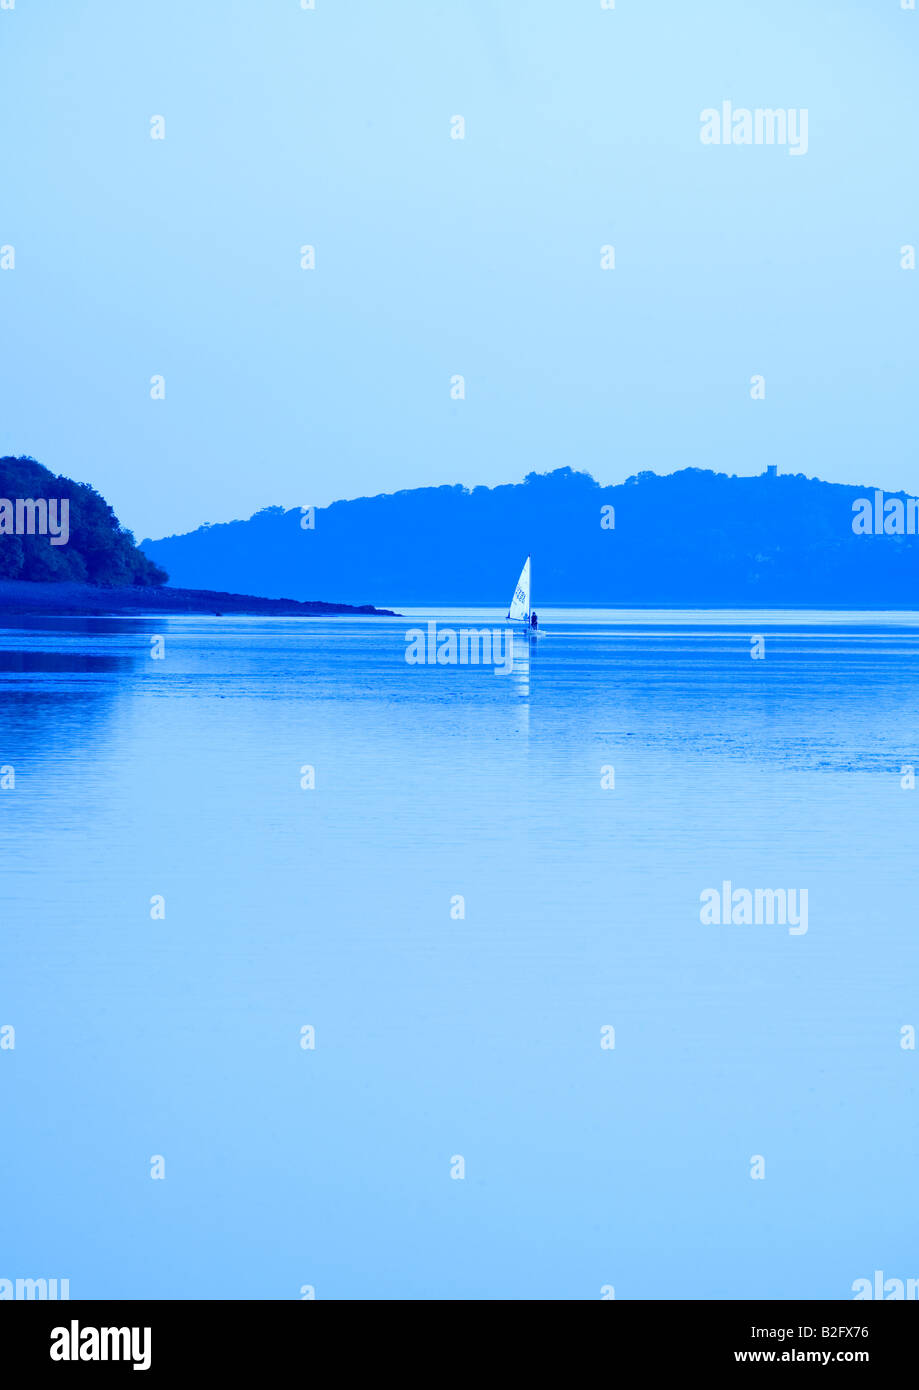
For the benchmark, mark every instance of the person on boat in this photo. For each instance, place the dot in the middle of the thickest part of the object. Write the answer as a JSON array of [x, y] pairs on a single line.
[[534, 621]]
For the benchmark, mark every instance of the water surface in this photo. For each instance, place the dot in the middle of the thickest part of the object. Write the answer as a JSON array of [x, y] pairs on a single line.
[[439, 1036]]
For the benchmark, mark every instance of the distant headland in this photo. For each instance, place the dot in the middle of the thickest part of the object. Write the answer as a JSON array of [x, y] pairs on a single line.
[[64, 551], [53, 530], [692, 539]]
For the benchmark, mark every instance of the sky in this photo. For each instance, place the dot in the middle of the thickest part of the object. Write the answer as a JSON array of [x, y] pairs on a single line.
[[437, 257]]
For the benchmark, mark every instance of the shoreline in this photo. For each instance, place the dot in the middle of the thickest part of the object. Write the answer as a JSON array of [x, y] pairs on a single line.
[[19, 597]]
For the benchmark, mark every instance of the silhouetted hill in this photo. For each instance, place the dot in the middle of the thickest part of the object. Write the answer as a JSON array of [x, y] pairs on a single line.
[[86, 542], [691, 538]]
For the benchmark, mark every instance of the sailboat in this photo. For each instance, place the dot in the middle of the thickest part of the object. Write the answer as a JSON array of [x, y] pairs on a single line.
[[519, 611]]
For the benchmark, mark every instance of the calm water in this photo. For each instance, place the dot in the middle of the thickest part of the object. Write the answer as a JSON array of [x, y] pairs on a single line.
[[439, 1037]]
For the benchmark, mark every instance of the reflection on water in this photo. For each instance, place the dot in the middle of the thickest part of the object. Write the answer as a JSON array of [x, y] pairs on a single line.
[[524, 650], [441, 1034]]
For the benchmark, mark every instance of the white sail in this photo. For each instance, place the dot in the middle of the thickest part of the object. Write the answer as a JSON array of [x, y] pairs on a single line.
[[519, 610]]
